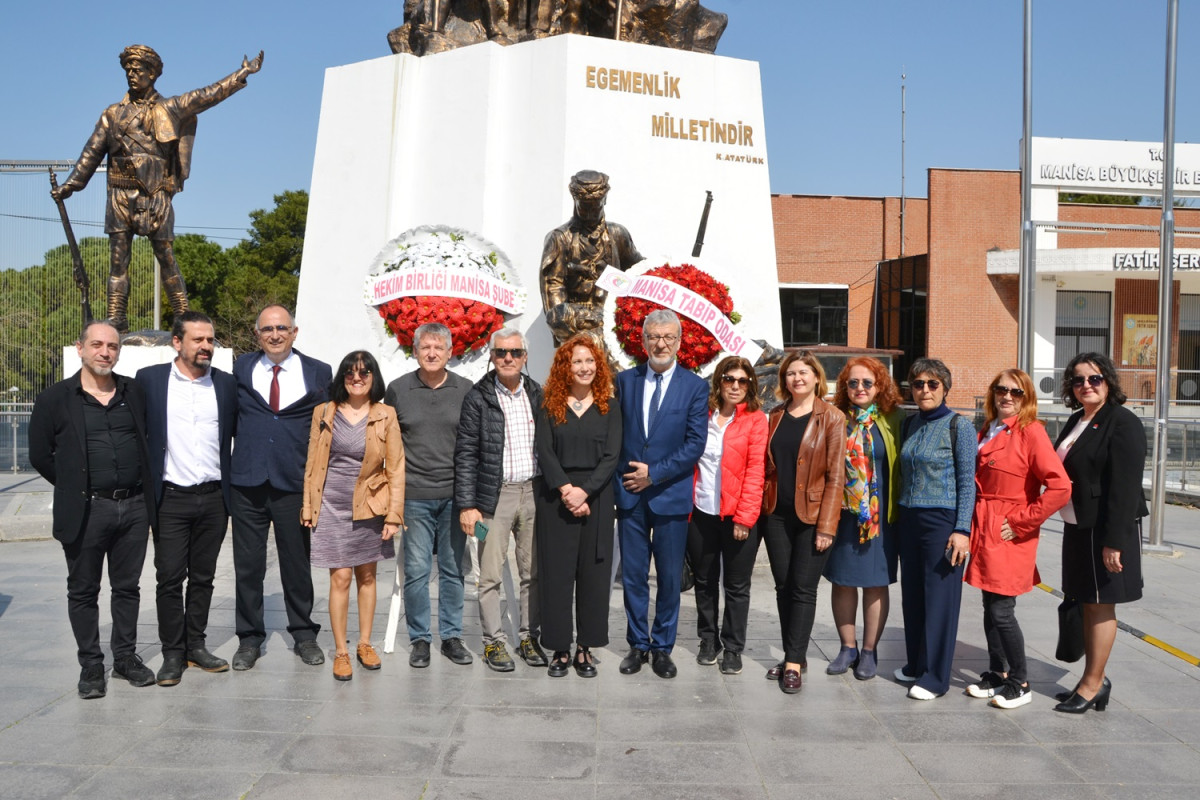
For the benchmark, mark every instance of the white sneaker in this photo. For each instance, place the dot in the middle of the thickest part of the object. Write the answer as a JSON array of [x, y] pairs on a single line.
[[903, 677], [920, 693], [1012, 695]]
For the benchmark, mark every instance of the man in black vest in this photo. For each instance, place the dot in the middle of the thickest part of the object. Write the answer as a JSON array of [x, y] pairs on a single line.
[[87, 436]]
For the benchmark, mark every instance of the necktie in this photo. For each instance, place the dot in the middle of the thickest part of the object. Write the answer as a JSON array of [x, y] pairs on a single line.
[[655, 399], [274, 398]]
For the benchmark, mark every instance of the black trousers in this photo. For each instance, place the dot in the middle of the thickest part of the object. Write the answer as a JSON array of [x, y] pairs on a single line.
[[191, 528], [256, 509], [1006, 642], [117, 530], [713, 550], [796, 565]]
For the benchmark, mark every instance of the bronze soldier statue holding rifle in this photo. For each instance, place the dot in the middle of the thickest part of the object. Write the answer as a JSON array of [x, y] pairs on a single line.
[[148, 140]]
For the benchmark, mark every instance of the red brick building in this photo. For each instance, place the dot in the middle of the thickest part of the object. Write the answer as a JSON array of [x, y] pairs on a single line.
[[952, 293]]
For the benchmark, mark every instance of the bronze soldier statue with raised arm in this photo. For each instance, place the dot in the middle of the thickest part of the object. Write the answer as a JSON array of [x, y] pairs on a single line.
[[148, 141], [576, 253]]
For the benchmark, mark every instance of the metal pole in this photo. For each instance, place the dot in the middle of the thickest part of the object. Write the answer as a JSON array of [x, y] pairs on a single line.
[[1166, 272], [902, 196], [1026, 279], [157, 295], [617, 24]]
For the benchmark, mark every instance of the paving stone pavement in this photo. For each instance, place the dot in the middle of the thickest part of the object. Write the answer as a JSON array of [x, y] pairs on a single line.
[[286, 730]]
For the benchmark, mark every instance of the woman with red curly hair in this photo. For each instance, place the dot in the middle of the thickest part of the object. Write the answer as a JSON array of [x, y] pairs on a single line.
[[864, 553], [578, 443]]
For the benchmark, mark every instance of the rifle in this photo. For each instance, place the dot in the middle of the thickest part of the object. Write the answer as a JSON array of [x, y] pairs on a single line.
[[703, 226], [81, 276]]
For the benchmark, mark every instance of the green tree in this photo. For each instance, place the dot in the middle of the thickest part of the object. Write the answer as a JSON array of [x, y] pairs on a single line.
[[1100, 199]]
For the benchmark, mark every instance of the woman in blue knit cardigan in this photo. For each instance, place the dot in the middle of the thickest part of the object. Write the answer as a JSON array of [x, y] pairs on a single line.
[[937, 498]]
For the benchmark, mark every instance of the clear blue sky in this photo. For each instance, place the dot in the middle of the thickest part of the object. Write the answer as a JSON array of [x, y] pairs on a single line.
[[830, 72]]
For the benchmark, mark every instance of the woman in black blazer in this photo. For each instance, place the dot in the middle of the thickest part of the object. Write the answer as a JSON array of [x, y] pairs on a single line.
[[1103, 447]]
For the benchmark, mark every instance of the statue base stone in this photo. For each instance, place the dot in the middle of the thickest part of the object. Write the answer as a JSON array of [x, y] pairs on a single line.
[[486, 138]]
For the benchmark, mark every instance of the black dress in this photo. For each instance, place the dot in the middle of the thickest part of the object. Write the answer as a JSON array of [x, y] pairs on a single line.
[[575, 553]]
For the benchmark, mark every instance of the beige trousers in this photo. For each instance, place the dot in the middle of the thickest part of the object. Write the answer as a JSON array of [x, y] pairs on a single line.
[[513, 519]]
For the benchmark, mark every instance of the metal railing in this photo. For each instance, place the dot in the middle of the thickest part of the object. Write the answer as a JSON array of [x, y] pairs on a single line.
[[14, 437]]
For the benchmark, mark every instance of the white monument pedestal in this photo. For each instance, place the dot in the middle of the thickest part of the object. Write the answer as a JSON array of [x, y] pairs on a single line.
[[487, 137], [134, 357]]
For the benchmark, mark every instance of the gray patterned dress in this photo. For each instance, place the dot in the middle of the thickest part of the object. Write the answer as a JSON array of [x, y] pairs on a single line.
[[338, 540]]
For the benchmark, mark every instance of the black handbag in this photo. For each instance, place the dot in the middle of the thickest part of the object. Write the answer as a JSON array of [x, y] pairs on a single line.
[[1070, 631]]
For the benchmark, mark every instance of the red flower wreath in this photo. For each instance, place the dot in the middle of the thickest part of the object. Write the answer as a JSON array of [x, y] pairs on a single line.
[[471, 323], [698, 346]]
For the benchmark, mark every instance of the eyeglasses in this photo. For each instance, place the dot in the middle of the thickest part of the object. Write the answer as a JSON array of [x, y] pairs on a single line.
[[1092, 380], [933, 385], [265, 329], [363, 373], [501, 353], [730, 380], [865, 383], [1004, 391], [665, 338]]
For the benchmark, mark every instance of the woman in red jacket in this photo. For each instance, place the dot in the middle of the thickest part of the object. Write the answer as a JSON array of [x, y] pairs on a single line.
[[728, 497], [1016, 460]]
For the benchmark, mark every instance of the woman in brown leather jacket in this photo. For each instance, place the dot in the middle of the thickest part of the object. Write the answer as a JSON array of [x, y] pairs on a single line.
[[806, 451], [353, 497]]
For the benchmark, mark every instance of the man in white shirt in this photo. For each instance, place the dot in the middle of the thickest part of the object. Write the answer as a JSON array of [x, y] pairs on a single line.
[[278, 388], [191, 410]]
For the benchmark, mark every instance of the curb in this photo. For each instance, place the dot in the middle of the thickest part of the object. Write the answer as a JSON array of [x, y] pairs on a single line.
[[26, 528]]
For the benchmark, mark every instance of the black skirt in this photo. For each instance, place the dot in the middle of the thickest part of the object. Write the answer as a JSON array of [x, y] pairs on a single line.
[[1084, 575]]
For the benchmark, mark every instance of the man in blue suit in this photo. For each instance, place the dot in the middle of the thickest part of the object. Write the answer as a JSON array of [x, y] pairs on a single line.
[[278, 388], [191, 410], [666, 414]]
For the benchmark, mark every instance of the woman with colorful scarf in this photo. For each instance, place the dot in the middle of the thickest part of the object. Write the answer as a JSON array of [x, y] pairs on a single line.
[[864, 552]]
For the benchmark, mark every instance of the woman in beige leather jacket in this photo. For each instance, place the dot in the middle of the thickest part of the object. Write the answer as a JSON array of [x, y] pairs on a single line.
[[806, 451], [353, 497]]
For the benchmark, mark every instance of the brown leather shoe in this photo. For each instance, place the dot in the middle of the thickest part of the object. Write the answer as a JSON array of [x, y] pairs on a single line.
[[342, 671], [789, 682], [368, 657]]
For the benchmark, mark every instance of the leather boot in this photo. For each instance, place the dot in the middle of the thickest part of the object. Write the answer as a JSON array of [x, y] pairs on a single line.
[[176, 293], [118, 302]]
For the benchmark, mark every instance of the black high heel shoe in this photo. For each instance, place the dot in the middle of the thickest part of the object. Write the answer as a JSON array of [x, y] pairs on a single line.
[[1075, 704], [584, 667], [559, 664]]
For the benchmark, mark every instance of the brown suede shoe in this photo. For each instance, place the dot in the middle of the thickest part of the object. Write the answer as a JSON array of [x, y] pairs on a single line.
[[342, 671], [368, 657]]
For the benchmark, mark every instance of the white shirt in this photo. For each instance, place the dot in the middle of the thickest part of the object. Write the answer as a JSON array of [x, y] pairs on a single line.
[[649, 391], [291, 379], [1067, 512], [708, 487], [993, 430], [193, 433]]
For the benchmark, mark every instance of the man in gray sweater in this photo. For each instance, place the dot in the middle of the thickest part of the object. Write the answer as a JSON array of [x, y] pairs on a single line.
[[427, 403]]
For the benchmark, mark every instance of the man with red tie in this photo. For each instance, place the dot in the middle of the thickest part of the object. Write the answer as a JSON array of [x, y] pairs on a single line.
[[278, 388]]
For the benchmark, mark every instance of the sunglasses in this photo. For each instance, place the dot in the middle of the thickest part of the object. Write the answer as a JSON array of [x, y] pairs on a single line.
[[730, 380], [265, 329], [1004, 391], [1092, 380], [933, 385], [501, 353], [865, 383], [363, 373]]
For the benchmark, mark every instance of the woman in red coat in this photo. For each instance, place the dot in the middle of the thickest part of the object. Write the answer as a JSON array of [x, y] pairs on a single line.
[[728, 498], [1016, 459]]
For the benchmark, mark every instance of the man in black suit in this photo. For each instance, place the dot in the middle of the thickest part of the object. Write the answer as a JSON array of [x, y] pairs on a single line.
[[191, 413], [278, 388], [87, 436]]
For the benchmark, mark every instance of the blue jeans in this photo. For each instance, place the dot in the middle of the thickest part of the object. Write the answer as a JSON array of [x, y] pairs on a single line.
[[426, 522]]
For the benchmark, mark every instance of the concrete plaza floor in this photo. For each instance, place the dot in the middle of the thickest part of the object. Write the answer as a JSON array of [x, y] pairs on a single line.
[[286, 730]]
